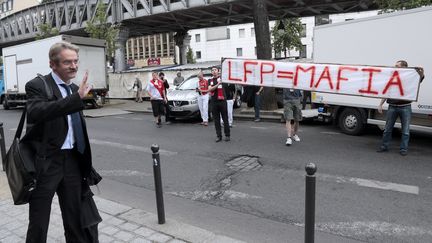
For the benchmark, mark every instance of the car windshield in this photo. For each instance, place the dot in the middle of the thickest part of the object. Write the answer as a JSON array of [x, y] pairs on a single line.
[[191, 83]]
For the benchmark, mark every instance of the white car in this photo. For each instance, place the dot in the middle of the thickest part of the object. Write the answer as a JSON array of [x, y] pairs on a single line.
[[183, 100]]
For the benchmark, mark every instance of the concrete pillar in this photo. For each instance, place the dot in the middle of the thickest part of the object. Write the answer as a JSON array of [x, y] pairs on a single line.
[[182, 40], [120, 52]]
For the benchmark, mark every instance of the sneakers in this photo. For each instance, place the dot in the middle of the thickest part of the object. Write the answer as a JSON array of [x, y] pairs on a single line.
[[227, 139], [218, 139], [288, 142], [296, 138], [403, 152], [257, 120], [382, 149]]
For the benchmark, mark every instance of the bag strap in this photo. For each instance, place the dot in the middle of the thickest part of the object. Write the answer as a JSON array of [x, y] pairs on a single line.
[[21, 123]]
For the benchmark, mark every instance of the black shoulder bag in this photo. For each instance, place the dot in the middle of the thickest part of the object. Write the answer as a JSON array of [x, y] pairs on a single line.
[[20, 161]]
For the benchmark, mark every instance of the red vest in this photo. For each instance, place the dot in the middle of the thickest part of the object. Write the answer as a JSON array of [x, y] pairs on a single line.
[[159, 85], [203, 85]]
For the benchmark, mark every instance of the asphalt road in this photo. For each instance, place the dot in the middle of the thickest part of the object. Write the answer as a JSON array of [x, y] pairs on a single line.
[[361, 195]]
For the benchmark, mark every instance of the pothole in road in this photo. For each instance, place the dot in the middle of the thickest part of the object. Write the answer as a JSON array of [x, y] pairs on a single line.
[[244, 163]]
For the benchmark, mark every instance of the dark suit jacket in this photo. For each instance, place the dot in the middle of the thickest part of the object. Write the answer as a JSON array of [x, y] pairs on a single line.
[[49, 118]]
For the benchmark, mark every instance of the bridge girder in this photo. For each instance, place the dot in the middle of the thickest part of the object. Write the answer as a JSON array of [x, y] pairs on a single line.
[[143, 17]]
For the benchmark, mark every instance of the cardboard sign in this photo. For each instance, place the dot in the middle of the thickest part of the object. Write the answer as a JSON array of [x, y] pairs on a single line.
[[370, 81]]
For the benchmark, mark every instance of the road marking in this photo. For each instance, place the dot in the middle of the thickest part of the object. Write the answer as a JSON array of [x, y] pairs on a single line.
[[372, 183], [262, 128], [130, 147], [370, 228], [209, 195], [331, 133], [123, 173]]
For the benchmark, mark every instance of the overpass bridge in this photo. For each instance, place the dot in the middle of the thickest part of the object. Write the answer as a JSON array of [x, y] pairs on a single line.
[[144, 17]]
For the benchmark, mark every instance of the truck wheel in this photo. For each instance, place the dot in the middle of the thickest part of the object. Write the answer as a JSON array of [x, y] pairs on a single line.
[[6, 104], [351, 121]]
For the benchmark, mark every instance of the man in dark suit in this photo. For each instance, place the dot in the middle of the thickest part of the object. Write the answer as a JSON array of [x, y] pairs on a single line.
[[66, 163]]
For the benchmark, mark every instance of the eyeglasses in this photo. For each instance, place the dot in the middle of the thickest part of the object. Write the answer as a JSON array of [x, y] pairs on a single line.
[[69, 62]]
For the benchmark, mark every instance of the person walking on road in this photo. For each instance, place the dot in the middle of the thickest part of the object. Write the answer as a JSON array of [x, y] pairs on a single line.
[[203, 98], [292, 113], [219, 105], [138, 86], [65, 167], [401, 109], [166, 87], [178, 80], [156, 91]]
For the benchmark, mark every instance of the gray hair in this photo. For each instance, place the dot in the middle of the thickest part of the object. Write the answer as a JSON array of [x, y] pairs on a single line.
[[59, 47]]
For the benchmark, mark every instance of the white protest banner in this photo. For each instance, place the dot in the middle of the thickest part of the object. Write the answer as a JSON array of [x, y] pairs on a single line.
[[370, 81]]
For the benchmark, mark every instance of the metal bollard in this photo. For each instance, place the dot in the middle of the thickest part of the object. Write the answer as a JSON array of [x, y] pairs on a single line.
[[310, 203], [158, 184], [2, 145]]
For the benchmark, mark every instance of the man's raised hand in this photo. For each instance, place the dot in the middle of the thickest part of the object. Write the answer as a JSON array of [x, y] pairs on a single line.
[[84, 87]]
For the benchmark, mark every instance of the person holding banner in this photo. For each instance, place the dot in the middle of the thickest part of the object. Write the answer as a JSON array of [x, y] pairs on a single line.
[[218, 98], [292, 113], [401, 109], [156, 91]]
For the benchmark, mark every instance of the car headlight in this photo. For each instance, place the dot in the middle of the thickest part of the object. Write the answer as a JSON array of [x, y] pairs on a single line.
[[193, 102]]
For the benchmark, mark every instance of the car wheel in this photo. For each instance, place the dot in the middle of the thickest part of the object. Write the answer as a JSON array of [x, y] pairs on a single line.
[[351, 121], [6, 104]]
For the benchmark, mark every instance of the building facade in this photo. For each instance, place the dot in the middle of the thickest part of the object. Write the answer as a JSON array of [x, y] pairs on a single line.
[[8, 7], [238, 41], [151, 50]]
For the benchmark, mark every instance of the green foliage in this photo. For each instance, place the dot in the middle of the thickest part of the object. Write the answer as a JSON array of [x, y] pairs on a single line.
[[289, 38], [45, 31], [99, 28], [388, 6], [190, 56]]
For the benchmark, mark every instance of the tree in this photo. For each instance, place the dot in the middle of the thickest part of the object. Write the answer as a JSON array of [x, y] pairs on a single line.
[[289, 37], [190, 56], [45, 31], [263, 45], [388, 6], [99, 28]]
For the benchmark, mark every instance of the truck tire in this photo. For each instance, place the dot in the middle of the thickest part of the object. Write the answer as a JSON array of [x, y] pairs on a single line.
[[351, 121], [6, 104]]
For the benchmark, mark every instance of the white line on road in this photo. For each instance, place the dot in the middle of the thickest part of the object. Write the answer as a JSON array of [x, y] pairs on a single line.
[[371, 228], [262, 128], [123, 173], [331, 133], [372, 183], [130, 147], [208, 195]]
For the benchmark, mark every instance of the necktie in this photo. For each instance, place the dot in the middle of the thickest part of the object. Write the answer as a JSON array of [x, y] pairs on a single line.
[[76, 125]]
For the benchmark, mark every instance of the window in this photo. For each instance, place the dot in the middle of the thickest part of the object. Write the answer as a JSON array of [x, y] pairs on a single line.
[[303, 53], [303, 32], [198, 54], [252, 32], [239, 52], [241, 33], [197, 38], [9, 5], [217, 33], [322, 19]]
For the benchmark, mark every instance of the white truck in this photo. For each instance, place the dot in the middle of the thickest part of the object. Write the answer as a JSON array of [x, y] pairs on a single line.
[[23, 62], [380, 41]]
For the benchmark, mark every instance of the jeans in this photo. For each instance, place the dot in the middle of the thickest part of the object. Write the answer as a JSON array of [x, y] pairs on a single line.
[[404, 112], [257, 106]]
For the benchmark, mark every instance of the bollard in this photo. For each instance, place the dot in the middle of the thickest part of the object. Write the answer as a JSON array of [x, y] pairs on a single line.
[[310, 203], [158, 184], [2, 145]]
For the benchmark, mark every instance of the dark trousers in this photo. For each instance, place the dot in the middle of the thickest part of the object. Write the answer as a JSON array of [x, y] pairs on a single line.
[[167, 112], [219, 108], [63, 176]]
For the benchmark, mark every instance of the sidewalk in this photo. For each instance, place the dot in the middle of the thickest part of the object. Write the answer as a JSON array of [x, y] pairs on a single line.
[[125, 106], [120, 223]]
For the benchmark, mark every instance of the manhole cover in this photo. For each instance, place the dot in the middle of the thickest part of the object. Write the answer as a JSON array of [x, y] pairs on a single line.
[[244, 163]]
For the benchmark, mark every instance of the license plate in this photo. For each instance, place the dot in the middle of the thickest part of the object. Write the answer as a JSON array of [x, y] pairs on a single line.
[[176, 108]]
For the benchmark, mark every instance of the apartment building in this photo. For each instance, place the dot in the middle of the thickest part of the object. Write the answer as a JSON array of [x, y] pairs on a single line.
[[8, 7], [238, 41]]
